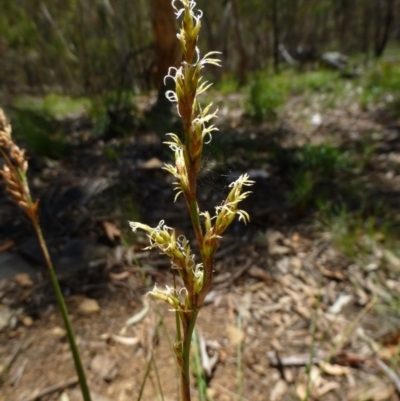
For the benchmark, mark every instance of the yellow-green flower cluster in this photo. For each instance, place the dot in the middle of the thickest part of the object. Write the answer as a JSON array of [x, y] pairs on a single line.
[[197, 130], [182, 259], [188, 85]]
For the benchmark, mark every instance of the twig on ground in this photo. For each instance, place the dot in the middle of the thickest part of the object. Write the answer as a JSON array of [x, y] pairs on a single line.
[[280, 366], [235, 276], [11, 359], [223, 389], [207, 363], [308, 261], [52, 389], [338, 346], [393, 376], [296, 360], [226, 251], [138, 316], [17, 376]]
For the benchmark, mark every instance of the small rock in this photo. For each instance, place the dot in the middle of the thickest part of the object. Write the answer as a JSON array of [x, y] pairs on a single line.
[[279, 390], [64, 397], [295, 263], [151, 164], [5, 315], [259, 369], [104, 366], [392, 259], [58, 332], [282, 265], [88, 307], [235, 335], [260, 274], [27, 321], [24, 280], [316, 120], [275, 239], [340, 302], [12, 263], [222, 356]]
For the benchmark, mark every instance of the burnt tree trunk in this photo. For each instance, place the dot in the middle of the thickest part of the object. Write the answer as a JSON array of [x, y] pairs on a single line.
[[242, 66], [383, 25], [275, 34], [166, 44]]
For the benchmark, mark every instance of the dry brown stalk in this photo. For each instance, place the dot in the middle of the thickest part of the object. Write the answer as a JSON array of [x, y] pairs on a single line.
[[14, 172]]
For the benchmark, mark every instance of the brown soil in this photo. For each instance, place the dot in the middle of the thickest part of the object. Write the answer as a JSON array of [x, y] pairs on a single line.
[[278, 293]]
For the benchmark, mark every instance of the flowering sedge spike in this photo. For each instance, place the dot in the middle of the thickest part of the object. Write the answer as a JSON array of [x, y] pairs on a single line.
[[198, 131]]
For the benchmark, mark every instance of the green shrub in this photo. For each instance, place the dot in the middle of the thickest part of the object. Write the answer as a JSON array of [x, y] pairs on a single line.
[[311, 172], [54, 105], [40, 132], [265, 98], [114, 114], [324, 159], [380, 83], [315, 81]]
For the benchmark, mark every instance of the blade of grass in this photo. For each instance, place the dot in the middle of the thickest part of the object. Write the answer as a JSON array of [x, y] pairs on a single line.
[[145, 377], [198, 369], [157, 377], [312, 351], [239, 359]]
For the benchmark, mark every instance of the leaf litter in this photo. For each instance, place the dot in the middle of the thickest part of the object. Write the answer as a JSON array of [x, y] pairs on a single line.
[[304, 307]]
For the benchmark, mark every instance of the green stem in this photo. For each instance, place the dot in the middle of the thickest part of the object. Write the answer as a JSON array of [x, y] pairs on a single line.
[[194, 215], [186, 356], [64, 313]]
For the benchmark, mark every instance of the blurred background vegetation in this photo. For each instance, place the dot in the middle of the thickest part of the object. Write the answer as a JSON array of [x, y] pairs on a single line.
[[106, 47], [80, 65]]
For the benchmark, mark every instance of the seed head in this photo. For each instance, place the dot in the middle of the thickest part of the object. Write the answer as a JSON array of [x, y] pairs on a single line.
[[14, 168]]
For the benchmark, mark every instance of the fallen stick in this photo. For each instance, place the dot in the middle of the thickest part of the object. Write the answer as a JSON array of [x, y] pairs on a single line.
[[231, 394], [234, 276], [208, 363], [52, 389], [11, 359], [19, 373], [296, 360], [390, 373]]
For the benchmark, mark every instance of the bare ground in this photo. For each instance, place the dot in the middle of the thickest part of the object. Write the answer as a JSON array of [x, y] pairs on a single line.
[[289, 317]]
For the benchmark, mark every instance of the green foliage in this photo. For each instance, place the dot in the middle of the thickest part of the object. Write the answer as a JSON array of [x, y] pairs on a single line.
[[40, 132], [312, 172], [227, 84], [114, 114], [385, 76], [265, 98], [54, 105], [349, 230], [268, 93], [16, 26], [382, 83], [324, 159], [316, 81], [37, 121], [303, 188], [365, 236]]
